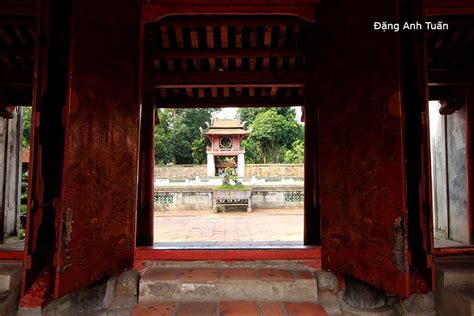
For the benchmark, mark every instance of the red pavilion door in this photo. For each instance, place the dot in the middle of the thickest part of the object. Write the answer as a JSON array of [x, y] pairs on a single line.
[[81, 227], [369, 148], [100, 172]]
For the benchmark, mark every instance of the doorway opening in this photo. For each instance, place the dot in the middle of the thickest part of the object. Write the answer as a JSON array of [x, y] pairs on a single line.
[[450, 55], [229, 178], [15, 131], [448, 132], [208, 66]]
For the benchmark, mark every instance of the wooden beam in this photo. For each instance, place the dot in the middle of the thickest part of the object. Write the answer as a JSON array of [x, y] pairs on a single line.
[[296, 3], [438, 77], [18, 8], [234, 85], [448, 7], [222, 20], [226, 53], [17, 21], [17, 78], [444, 53], [23, 52], [223, 78], [229, 102]]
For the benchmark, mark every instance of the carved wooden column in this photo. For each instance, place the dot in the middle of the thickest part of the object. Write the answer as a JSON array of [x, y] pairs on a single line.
[[312, 219], [147, 152], [470, 156]]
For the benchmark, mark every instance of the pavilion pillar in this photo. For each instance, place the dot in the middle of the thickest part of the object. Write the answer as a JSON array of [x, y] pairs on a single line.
[[211, 167], [241, 165], [146, 178], [10, 173]]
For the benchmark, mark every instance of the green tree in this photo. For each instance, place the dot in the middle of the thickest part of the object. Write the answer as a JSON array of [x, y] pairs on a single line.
[[248, 115], [198, 148], [296, 154], [178, 136], [26, 120], [271, 135]]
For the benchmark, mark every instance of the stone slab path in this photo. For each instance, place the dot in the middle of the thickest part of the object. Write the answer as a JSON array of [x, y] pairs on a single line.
[[205, 229]]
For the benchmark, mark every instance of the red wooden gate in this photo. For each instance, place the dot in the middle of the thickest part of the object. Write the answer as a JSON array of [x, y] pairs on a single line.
[[363, 182]]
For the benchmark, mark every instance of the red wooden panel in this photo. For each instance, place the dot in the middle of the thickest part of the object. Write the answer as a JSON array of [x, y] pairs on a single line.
[[362, 182], [99, 192]]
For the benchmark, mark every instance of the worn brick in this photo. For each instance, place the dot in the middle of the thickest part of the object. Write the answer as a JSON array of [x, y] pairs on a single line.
[[199, 275], [271, 309], [239, 274], [304, 309], [154, 309], [197, 309], [238, 308], [276, 275]]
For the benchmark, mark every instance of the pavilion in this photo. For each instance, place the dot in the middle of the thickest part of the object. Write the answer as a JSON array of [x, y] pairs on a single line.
[[225, 151]]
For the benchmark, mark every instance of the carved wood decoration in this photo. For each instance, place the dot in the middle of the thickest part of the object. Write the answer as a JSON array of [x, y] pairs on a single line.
[[362, 183], [99, 195], [17, 50]]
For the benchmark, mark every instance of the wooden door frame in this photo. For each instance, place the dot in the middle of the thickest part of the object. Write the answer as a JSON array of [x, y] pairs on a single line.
[[157, 10]]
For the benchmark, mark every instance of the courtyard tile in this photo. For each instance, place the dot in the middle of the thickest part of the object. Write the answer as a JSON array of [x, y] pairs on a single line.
[[204, 229]]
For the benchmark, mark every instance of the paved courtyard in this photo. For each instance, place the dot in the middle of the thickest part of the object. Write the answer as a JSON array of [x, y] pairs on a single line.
[[263, 228]]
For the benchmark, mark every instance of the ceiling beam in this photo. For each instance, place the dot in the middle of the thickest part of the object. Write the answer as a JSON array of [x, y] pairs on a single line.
[[226, 53], [23, 52], [444, 53], [229, 102], [238, 78], [296, 3], [440, 77], [17, 78], [448, 7], [17, 21], [234, 85], [18, 8], [229, 20]]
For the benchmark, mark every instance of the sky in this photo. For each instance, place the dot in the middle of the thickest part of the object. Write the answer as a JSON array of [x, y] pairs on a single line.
[[231, 113]]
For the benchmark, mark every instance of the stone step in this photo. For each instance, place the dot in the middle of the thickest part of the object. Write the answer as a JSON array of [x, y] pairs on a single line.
[[10, 276], [457, 300], [258, 264], [235, 284], [216, 308], [455, 286], [455, 271], [10, 283]]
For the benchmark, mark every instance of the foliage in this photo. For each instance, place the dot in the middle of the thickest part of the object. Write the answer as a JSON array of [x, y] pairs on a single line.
[[25, 140], [21, 234], [198, 148], [178, 138], [295, 155], [24, 188], [248, 115], [232, 187], [272, 134]]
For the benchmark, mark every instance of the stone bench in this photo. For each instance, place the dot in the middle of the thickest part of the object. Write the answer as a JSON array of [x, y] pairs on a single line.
[[231, 198]]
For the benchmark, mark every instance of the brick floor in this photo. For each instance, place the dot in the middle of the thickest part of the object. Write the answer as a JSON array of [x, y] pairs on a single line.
[[276, 275], [197, 309], [304, 309], [229, 308], [205, 229], [200, 275], [271, 308], [238, 308], [155, 309], [239, 274]]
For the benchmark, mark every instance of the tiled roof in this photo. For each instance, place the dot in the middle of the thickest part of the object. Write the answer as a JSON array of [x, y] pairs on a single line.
[[226, 131], [225, 123]]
